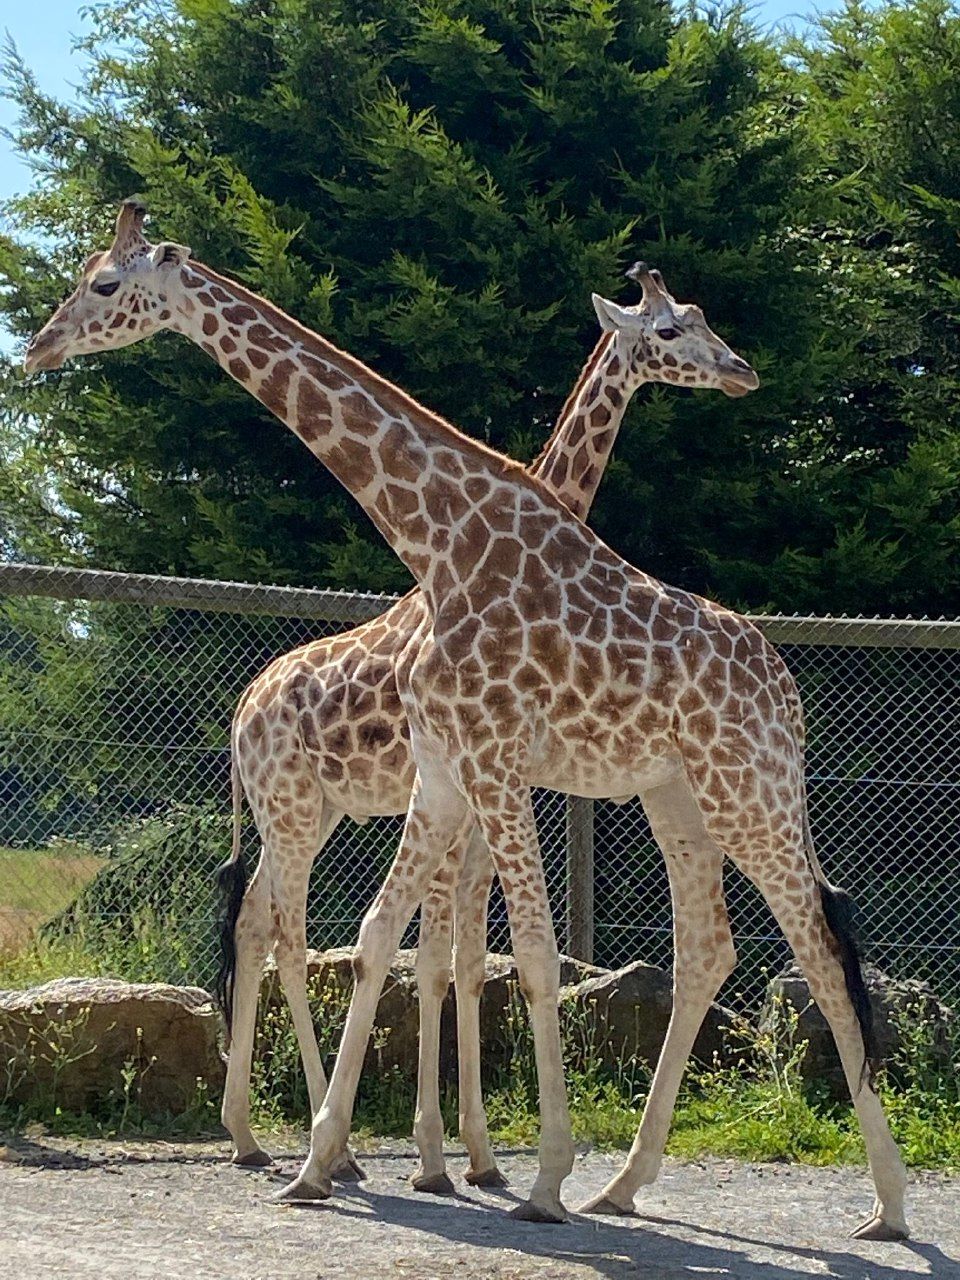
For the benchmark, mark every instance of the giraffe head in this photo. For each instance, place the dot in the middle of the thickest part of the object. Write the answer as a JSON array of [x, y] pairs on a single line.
[[663, 340], [124, 295]]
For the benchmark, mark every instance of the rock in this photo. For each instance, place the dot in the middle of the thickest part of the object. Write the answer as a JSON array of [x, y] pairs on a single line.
[[395, 1041], [895, 1002], [69, 1043], [631, 1009], [501, 985]]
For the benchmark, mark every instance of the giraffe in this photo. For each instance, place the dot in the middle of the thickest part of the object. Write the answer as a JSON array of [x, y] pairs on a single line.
[[543, 659], [357, 761]]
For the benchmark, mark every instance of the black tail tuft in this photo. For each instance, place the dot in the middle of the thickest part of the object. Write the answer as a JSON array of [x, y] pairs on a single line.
[[232, 882], [840, 913]]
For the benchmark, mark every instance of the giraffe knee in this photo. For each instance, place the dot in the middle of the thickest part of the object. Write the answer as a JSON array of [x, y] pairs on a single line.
[[289, 958], [470, 970], [433, 969], [726, 958], [538, 972], [374, 942]]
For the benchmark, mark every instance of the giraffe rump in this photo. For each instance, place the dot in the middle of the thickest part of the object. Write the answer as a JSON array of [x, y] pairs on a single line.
[[232, 883], [839, 911]]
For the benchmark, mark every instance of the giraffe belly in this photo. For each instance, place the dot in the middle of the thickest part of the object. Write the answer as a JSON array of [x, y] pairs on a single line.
[[367, 785], [611, 766]]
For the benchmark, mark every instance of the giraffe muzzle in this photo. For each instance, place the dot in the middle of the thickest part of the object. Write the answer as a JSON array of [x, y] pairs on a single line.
[[46, 351], [737, 378]]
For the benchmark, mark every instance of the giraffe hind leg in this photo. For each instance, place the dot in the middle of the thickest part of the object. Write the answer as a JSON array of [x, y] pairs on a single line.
[[826, 965], [252, 938], [761, 825]]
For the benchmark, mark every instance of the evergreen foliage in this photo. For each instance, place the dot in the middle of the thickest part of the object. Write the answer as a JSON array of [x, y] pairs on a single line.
[[438, 187]]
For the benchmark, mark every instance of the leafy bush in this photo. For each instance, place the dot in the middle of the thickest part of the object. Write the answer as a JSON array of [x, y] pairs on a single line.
[[149, 914]]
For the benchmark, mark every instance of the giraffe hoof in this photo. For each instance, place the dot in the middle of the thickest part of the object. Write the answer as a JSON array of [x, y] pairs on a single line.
[[603, 1204], [876, 1229], [253, 1160], [347, 1170], [491, 1177], [437, 1184], [300, 1191], [530, 1212]]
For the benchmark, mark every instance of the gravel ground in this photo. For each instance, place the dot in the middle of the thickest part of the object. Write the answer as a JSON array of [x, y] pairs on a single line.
[[182, 1212]]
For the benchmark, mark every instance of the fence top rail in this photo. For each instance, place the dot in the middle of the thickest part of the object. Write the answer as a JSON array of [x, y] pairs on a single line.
[[207, 595], [886, 633], [190, 593]]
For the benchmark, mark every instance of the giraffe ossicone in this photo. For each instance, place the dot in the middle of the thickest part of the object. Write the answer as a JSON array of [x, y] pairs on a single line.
[[545, 659]]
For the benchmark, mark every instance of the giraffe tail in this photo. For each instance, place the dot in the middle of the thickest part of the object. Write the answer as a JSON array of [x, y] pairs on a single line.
[[840, 913], [232, 883]]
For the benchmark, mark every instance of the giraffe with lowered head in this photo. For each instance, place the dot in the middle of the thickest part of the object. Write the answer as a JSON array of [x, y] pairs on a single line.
[[332, 706], [543, 659]]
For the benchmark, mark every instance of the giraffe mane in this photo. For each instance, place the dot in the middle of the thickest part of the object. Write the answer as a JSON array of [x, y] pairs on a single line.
[[393, 399]]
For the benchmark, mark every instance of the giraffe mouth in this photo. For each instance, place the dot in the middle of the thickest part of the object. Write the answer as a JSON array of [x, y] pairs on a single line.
[[42, 355], [739, 383], [734, 389]]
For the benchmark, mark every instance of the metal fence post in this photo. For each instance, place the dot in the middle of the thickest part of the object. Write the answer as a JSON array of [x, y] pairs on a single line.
[[580, 878]]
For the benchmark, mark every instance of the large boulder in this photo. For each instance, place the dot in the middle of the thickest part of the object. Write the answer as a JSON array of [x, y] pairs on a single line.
[[85, 1044], [395, 1039], [897, 1004], [627, 1011], [501, 992]]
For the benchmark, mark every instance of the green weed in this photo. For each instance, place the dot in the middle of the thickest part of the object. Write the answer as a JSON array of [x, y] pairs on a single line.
[[759, 1108]]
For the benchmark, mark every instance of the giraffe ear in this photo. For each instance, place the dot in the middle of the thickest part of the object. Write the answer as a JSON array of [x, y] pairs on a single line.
[[168, 254], [612, 316]]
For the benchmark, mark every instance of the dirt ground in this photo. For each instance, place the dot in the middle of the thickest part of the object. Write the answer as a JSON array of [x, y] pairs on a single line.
[[182, 1212]]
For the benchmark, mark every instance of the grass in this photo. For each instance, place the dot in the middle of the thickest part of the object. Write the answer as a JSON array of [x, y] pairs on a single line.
[[138, 948], [36, 884], [761, 1109]]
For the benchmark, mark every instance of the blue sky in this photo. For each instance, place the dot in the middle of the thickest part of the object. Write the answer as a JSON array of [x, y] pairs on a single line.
[[43, 32]]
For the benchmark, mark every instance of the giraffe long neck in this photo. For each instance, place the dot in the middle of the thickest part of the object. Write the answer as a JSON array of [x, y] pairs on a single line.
[[573, 460], [422, 482]]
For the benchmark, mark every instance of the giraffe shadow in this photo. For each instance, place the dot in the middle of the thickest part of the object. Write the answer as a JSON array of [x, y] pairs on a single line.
[[617, 1251], [35, 1153], [841, 1265]]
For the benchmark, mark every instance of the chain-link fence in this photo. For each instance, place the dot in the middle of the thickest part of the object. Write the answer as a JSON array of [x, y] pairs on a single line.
[[116, 693]]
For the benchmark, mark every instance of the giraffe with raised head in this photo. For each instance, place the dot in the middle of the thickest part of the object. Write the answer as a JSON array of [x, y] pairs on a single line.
[[543, 659], [353, 758]]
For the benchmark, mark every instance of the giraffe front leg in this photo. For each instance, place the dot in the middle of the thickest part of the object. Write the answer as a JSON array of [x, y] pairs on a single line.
[[435, 812], [473, 892], [511, 836], [433, 982]]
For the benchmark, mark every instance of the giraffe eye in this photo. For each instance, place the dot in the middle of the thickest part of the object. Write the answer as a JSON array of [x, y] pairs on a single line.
[[668, 335], [107, 288]]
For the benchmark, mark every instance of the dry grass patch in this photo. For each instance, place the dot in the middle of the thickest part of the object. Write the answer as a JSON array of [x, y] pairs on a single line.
[[35, 884]]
